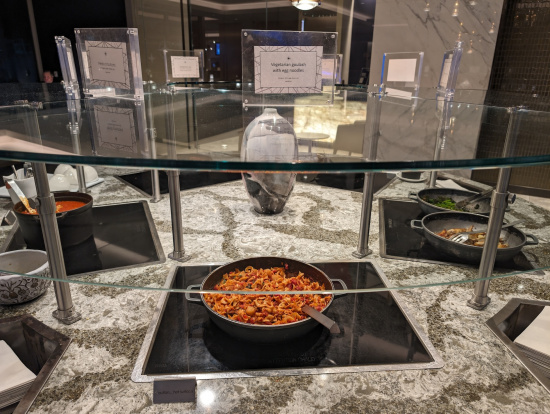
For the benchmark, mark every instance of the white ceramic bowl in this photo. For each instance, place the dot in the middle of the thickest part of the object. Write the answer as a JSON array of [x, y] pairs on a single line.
[[59, 182], [90, 173], [15, 288], [72, 177], [62, 168]]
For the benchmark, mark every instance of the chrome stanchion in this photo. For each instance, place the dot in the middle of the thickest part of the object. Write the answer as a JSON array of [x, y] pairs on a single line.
[[65, 312], [374, 107], [174, 185], [152, 134], [81, 179], [499, 201], [443, 128]]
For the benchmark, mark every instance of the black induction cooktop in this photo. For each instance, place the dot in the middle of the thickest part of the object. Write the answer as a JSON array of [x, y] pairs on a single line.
[[399, 241], [124, 235], [376, 334], [143, 182]]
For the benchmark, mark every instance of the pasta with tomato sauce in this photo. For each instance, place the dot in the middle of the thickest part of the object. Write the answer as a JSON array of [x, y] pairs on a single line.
[[265, 309]]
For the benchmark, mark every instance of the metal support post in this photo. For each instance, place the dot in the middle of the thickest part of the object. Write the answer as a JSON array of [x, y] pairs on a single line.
[[374, 108], [65, 312], [74, 128], [152, 134], [174, 185], [444, 125], [175, 213], [81, 179], [499, 201]]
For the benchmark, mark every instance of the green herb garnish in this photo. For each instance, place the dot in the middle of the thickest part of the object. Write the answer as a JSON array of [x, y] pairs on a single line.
[[443, 202]]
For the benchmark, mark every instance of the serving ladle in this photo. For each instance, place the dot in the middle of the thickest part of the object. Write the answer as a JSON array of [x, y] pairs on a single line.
[[11, 184]]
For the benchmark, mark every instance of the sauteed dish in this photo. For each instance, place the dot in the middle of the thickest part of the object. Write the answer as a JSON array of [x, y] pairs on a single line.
[[265, 309], [268, 317], [474, 239]]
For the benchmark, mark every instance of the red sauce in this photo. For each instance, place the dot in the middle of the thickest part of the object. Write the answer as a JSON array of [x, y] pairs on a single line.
[[61, 206]]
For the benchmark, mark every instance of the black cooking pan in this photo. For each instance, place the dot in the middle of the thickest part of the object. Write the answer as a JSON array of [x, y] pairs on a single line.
[[264, 333], [434, 223], [482, 206], [75, 226]]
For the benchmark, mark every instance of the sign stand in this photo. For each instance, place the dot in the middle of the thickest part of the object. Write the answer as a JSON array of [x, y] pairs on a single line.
[[445, 96], [180, 66], [72, 92], [402, 71], [279, 67]]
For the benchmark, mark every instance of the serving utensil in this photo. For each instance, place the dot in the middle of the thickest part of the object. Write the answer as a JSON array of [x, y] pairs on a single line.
[[21, 195], [471, 199], [463, 236], [322, 319]]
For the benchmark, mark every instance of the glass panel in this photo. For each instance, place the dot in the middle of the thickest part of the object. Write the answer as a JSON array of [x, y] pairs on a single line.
[[209, 121], [130, 238]]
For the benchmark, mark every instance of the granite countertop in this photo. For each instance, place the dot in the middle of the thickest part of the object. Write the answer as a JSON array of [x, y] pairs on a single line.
[[319, 223]]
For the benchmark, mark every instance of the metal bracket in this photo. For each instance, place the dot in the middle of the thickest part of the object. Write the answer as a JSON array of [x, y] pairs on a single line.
[[68, 316]]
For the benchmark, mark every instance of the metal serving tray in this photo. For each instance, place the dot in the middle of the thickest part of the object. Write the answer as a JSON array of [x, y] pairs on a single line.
[[39, 347], [511, 321]]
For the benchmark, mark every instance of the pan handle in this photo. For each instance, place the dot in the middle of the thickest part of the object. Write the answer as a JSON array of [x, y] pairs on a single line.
[[344, 286], [416, 225], [533, 242], [188, 294], [413, 195]]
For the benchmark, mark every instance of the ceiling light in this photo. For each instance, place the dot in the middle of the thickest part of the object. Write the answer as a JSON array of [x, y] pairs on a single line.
[[305, 4]]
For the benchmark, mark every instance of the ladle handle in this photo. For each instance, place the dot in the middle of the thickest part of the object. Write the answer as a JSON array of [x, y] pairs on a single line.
[[11, 184], [322, 319]]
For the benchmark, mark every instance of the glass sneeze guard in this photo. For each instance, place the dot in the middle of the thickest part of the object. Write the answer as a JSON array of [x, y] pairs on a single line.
[[209, 125]]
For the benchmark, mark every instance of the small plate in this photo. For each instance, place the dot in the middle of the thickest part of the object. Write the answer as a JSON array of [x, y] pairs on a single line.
[[4, 191]]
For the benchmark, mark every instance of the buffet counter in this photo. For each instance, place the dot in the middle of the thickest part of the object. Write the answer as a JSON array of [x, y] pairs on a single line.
[[318, 224]]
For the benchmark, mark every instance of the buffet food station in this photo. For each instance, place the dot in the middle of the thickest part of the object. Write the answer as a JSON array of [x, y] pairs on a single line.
[[407, 335], [355, 253]]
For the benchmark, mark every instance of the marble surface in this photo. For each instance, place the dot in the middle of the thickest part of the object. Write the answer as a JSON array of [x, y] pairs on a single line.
[[430, 27], [433, 27], [479, 375]]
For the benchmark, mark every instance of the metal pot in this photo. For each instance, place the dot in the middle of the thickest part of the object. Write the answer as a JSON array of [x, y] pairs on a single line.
[[434, 223], [482, 206], [75, 226], [264, 333]]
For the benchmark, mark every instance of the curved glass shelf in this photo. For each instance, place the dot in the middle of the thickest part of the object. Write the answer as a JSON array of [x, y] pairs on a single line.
[[320, 224], [393, 284], [200, 128]]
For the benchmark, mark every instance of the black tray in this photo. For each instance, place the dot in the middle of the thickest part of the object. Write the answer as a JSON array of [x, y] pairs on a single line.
[[399, 241], [143, 182], [124, 236], [376, 334]]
